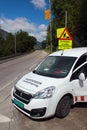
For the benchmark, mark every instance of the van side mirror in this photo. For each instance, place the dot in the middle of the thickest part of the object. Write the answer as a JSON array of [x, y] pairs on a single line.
[[82, 77]]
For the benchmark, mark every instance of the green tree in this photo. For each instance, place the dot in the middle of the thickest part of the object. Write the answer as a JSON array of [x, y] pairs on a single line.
[[9, 45], [81, 28], [43, 44], [32, 42], [24, 42], [2, 41], [58, 8]]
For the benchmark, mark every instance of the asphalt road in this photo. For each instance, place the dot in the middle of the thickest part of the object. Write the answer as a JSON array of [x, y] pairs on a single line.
[[12, 119]]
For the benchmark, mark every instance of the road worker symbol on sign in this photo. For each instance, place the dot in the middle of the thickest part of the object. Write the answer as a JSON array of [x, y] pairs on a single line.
[[65, 35]]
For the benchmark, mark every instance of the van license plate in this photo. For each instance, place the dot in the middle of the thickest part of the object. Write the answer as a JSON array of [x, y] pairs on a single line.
[[18, 103]]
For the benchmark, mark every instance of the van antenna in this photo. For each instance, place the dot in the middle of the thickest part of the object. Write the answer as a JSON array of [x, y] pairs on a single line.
[[62, 52]]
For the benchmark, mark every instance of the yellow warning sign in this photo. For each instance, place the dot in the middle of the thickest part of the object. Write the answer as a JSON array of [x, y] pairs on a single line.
[[59, 32], [63, 33], [65, 39], [64, 44]]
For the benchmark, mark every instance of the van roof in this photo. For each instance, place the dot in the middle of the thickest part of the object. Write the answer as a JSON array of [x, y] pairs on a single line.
[[74, 52]]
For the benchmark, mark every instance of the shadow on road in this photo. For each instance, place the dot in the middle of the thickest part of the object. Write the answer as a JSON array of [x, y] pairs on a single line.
[[81, 105]]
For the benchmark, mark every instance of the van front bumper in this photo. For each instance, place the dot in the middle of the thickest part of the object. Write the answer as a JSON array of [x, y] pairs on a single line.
[[36, 108], [39, 112]]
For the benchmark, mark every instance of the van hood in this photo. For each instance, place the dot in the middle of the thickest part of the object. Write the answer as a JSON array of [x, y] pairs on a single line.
[[33, 83]]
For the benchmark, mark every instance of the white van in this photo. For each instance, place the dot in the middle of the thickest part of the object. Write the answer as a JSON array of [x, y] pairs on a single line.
[[58, 82]]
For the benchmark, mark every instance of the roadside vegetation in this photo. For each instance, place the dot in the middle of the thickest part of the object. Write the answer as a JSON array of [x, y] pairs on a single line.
[[16, 44]]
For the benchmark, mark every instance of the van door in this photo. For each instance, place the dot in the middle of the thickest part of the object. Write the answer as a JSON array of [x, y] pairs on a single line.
[[79, 83]]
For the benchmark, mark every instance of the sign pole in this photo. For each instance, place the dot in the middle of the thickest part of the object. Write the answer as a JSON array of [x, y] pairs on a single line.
[[65, 18]]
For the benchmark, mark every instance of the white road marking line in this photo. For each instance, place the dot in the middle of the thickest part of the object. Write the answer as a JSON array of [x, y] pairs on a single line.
[[17, 77], [4, 119], [8, 84]]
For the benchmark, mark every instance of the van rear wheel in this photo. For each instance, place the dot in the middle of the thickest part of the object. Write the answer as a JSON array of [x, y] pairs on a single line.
[[63, 107]]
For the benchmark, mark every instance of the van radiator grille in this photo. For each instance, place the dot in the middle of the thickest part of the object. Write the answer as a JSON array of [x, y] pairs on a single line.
[[22, 96]]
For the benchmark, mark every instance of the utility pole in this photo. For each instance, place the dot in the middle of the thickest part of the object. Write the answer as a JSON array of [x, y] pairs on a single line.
[[0, 26], [50, 25], [15, 42]]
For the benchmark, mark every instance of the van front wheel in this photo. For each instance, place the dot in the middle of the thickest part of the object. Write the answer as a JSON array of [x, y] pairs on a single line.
[[63, 107]]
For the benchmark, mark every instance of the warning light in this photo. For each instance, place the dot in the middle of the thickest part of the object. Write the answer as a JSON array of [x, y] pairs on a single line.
[[47, 14]]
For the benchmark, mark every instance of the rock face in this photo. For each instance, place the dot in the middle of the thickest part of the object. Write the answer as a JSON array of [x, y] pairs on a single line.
[[3, 33]]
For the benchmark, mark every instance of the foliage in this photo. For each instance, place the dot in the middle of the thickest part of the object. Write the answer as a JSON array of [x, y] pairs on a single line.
[[48, 49], [44, 43], [81, 28], [59, 7], [76, 20], [9, 45], [32, 42], [23, 42]]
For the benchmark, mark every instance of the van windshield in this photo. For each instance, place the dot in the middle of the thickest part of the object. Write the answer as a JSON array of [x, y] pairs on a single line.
[[55, 66]]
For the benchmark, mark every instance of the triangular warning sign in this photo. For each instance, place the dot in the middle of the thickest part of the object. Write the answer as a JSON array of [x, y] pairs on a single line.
[[65, 35], [59, 32]]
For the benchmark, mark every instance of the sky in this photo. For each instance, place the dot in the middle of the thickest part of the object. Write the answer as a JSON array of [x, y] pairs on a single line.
[[26, 15]]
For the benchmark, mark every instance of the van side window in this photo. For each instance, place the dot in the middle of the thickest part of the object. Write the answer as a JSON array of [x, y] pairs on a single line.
[[81, 60], [83, 69], [76, 74]]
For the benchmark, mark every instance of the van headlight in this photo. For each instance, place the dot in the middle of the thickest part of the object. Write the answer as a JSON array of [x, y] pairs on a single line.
[[45, 93]]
